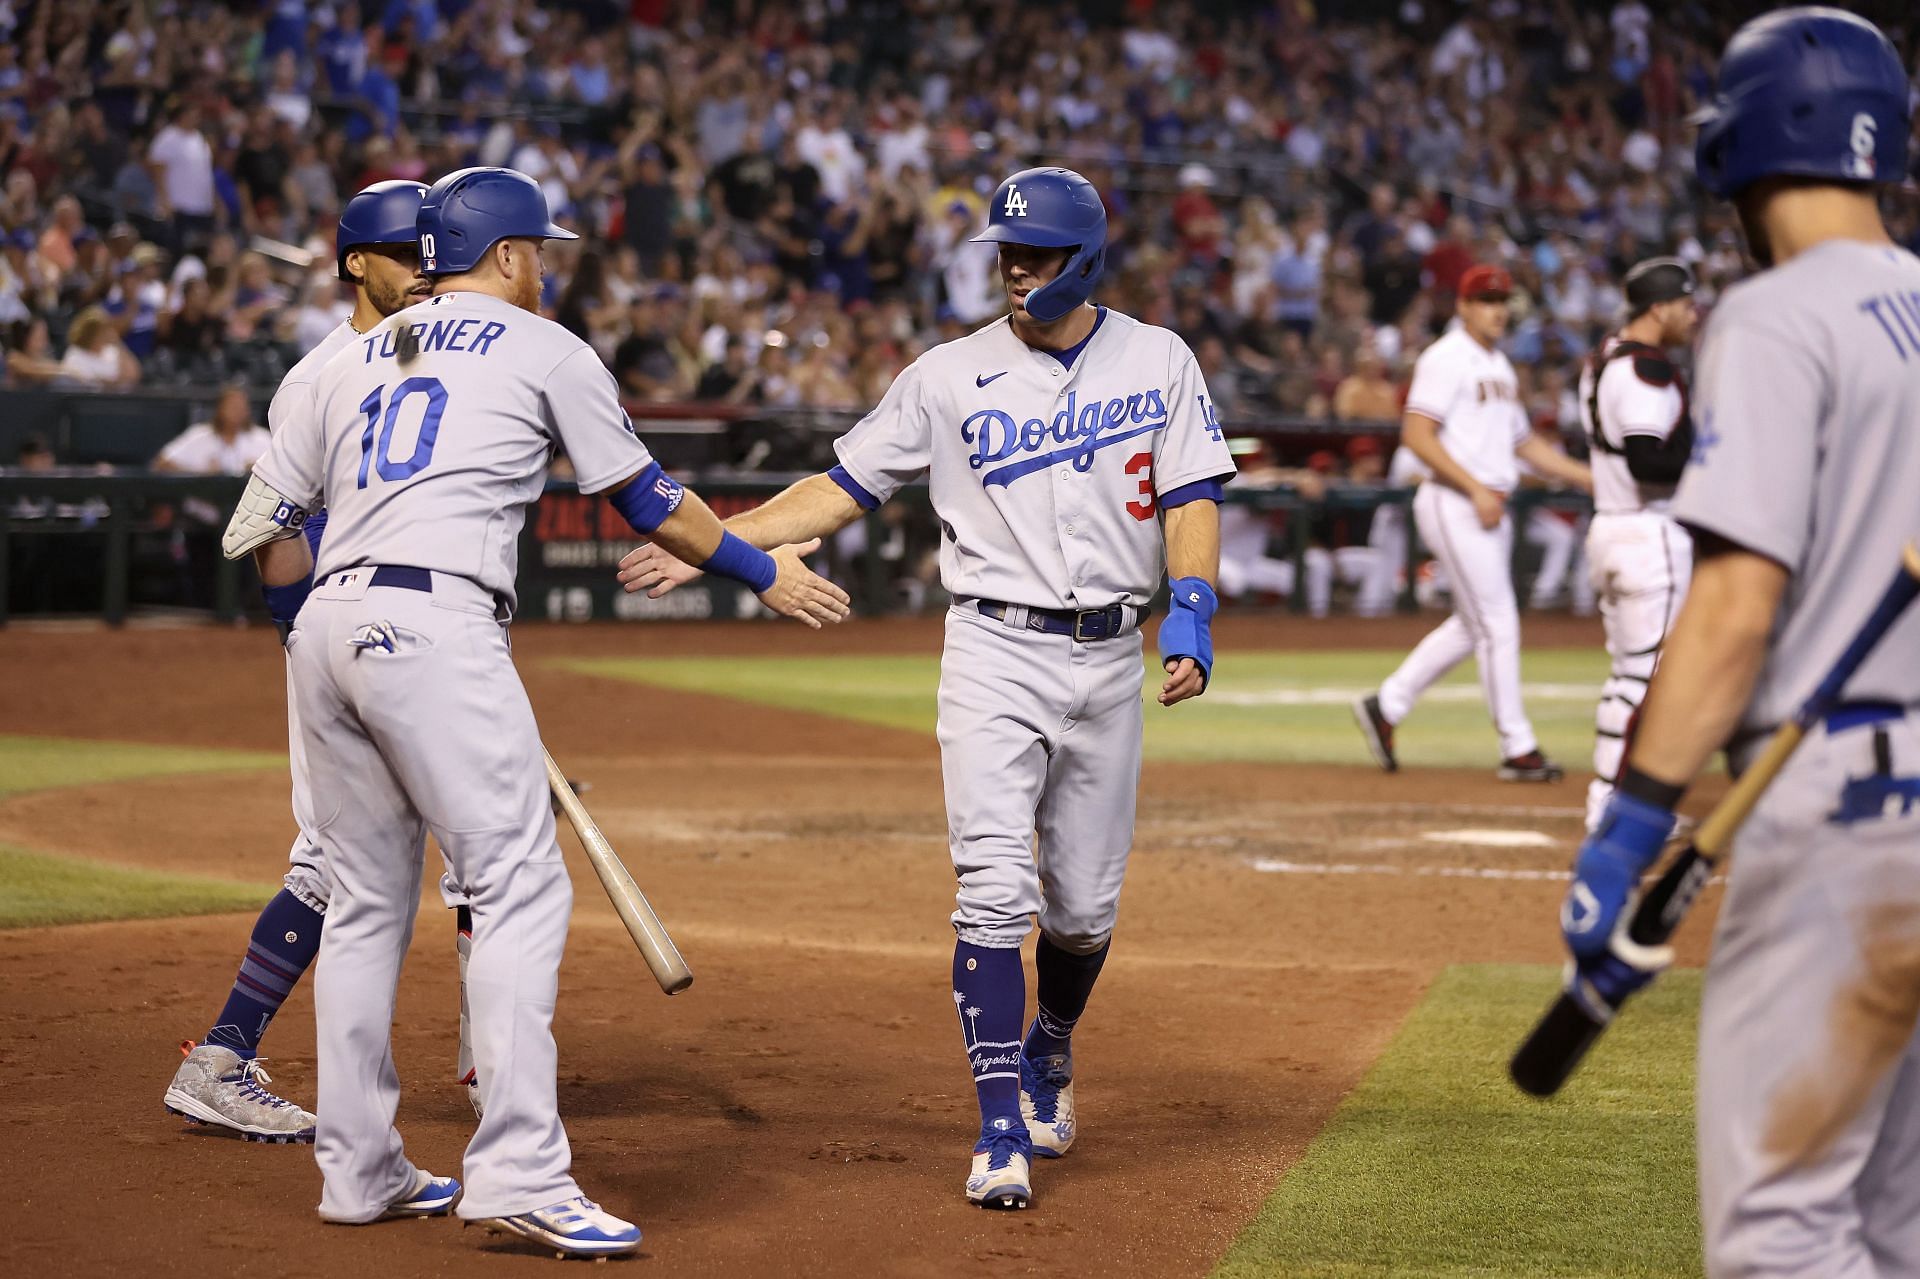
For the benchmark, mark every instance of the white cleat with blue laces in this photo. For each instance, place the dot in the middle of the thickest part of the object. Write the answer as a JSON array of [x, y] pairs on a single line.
[[218, 1087], [1001, 1175], [576, 1227], [1046, 1102]]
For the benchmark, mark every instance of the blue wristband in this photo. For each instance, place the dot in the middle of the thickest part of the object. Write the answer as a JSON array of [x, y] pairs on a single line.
[[648, 499], [284, 603], [743, 562]]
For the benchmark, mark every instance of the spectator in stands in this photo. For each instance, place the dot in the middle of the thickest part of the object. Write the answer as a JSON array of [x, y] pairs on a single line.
[[1367, 394], [228, 444], [95, 355], [190, 333], [257, 300], [181, 161], [29, 356], [136, 300]]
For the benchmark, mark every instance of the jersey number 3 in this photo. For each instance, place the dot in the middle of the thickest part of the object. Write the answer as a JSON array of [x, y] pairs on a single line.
[[380, 457], [1141, 465]]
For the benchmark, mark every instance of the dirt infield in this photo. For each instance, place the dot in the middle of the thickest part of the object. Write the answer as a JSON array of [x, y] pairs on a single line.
[[804, 1108]]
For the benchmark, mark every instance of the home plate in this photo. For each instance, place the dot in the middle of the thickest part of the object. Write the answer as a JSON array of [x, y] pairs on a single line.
[[1492, 838]]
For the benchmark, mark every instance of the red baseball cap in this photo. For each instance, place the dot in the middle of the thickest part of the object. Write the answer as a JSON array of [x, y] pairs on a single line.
[[1324, 460], [1362, 446], [1486, 282]]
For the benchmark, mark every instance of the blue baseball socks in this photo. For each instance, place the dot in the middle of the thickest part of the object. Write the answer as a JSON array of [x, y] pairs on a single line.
[[1065, 980], [990, 994], [285, 940]]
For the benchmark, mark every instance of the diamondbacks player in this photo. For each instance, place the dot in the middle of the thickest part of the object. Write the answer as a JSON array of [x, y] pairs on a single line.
[[1071, 451], [220, 1082], [1800, 494], [1633, 406], [426, 439], [1465, 424]]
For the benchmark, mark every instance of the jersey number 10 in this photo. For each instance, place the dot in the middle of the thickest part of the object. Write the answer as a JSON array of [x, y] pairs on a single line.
[[379, 457]]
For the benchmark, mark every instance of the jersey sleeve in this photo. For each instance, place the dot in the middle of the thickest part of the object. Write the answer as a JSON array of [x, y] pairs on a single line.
[[1192, 448], [295, 460], [1436, 383], [1754, 465], [893, 444], [1630, 405], [582, 403]]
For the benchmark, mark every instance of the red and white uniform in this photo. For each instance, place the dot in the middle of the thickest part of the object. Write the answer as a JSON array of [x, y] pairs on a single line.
[[1472, 392], [1639, 559]]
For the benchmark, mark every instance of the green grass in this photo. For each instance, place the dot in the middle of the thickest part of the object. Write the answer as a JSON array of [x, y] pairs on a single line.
[[1264, 707], [40, 763], [1437, 1166], [36, 890]]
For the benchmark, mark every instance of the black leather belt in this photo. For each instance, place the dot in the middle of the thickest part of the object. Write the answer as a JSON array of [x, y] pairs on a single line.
[[1085, 625]]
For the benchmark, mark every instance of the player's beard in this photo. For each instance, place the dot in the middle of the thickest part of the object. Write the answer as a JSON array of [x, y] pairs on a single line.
[[388, 298]]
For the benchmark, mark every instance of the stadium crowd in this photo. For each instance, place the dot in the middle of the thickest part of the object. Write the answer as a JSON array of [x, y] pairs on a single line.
[[777, 197]]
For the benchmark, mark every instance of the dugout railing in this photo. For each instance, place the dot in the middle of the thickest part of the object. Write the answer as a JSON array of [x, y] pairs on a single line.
[[89, 542]]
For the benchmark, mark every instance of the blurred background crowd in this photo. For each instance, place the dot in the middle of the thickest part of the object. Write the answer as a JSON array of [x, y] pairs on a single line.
[[777, 196], [776, 200]]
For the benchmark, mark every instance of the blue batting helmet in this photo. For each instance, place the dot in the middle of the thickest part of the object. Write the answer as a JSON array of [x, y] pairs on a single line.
[[1054, 209], [384, 213], [471, 210], [1809, 92]]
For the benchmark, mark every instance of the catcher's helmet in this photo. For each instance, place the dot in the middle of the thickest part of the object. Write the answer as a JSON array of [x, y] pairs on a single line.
[[471, 210], [1657, 280], [1055, 209], [383, 213], [1807, 92]]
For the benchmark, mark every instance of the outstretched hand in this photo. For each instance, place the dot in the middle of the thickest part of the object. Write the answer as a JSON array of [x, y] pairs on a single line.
[[800, 593], [652, 569]]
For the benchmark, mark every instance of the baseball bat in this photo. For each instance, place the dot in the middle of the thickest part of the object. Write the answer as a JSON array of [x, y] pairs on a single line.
[[648, 933], [1549, 1055]]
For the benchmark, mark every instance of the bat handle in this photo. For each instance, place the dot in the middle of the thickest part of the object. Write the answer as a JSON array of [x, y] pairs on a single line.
[[1555, 1049], [1548, 1056]]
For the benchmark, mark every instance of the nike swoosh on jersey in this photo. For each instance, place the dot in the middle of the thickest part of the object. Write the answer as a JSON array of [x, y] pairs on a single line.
[[981, 379]]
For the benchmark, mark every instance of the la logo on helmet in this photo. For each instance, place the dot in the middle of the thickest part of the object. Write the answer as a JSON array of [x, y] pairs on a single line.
[[1016, 205]]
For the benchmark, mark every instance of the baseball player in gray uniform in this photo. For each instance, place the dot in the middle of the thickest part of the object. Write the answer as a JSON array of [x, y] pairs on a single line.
[[426, 439], [1800, 495], [1072, 452], [221, 1083], [1633, 406]]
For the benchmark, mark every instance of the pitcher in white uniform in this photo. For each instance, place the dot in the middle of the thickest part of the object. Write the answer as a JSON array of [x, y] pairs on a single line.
[[1466, 425], [427, 439], [1633, 405], [1800, 494], [1072, 453]]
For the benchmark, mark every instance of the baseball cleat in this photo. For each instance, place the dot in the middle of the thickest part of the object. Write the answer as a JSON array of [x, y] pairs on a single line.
[[1378, 732], [1530, 767], [1001, 1176], [471, 1081], [431, 1196], [218, 1087], [1046, 1102], [576, 1227]]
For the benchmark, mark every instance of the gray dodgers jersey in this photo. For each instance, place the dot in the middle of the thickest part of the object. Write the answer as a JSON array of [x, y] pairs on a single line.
[[296, 388], [1046, 479], [428, 437], [1808, 452]]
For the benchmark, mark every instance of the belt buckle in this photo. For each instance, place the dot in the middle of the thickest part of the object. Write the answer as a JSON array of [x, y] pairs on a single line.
[[1108, 617]]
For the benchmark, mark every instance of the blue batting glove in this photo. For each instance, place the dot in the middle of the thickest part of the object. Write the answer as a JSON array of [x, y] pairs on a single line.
[[1612, 860], [1602, 985]]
